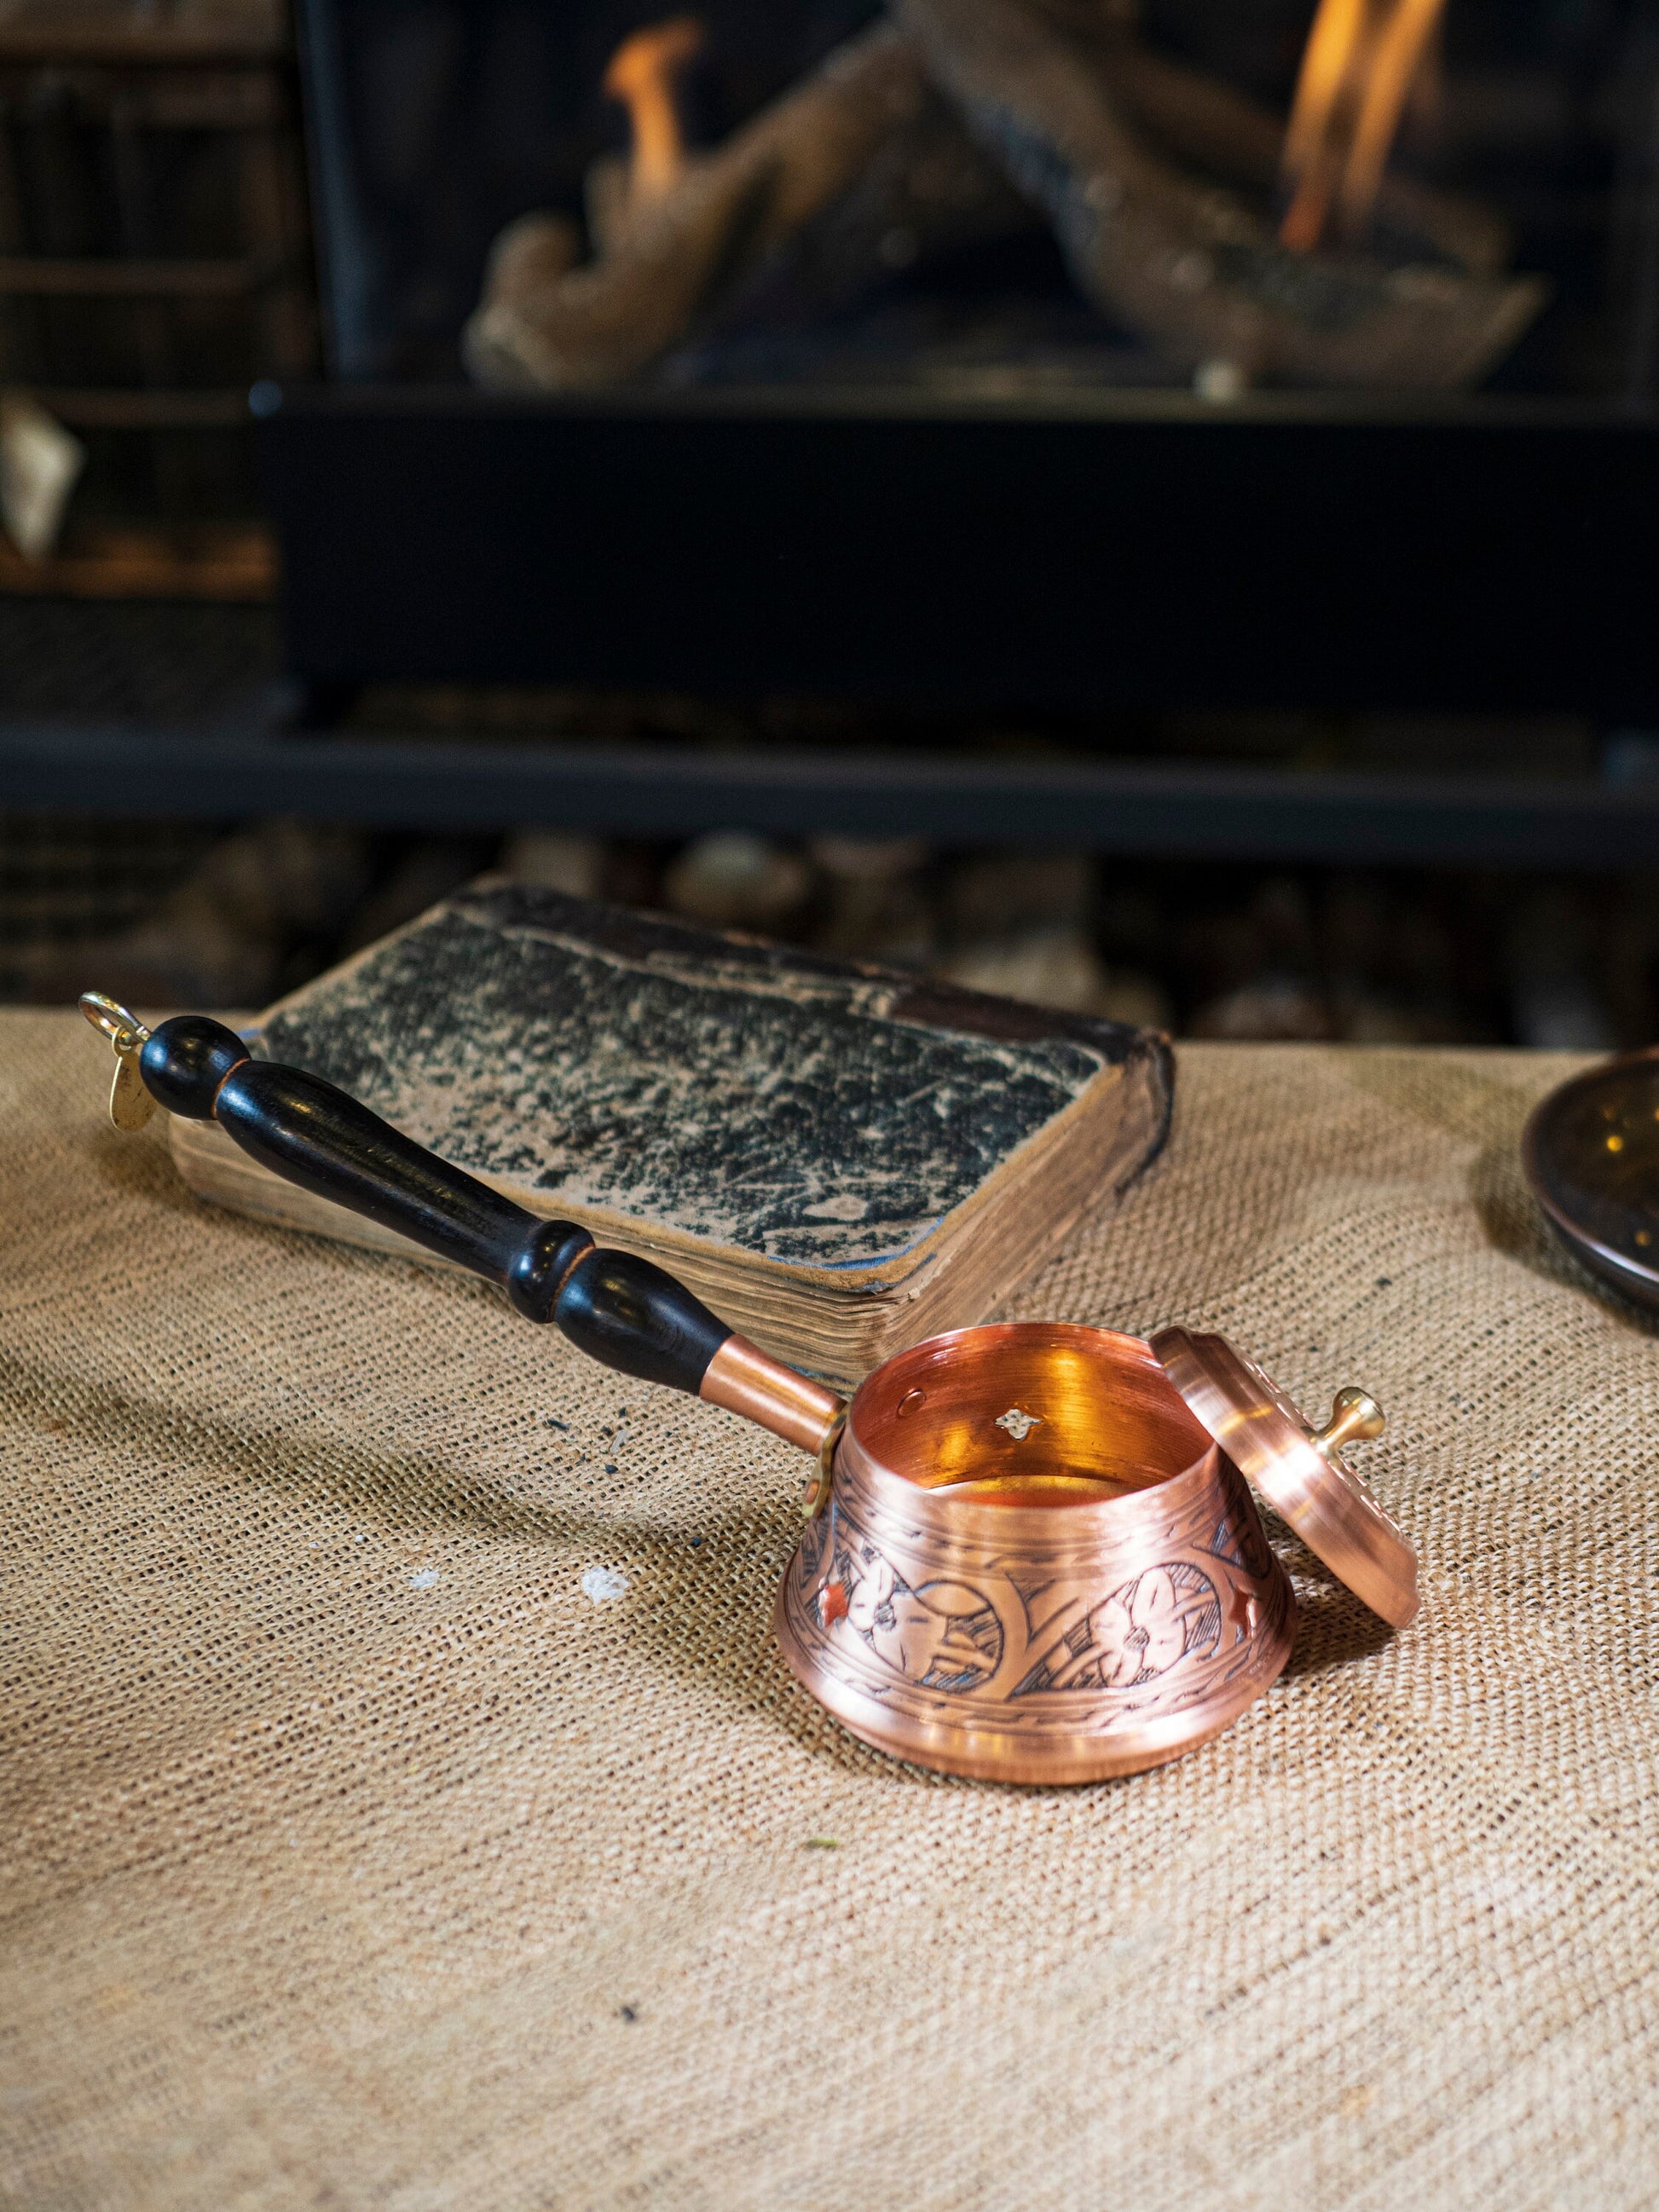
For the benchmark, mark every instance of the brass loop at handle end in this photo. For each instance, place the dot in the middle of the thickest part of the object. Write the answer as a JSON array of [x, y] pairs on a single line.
[[125, 1032], [1355, 1418]]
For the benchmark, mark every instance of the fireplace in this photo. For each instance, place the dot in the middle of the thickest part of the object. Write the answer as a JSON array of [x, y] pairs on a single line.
[[1057, 352]]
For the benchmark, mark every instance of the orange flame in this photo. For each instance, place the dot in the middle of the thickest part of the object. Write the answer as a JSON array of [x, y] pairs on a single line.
[[641, 75], [1358, 69]]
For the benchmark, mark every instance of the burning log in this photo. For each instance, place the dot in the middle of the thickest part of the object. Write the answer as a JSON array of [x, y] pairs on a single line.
[[1189, 265], [1205, 122], [1208, 124], [726, 215]]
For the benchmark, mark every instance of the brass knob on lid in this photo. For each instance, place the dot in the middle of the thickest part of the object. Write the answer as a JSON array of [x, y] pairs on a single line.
[[1300, 1471], [1355, 1418]]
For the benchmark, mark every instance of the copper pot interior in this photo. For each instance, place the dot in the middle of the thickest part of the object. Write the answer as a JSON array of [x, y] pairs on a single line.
[[1028, 1415]]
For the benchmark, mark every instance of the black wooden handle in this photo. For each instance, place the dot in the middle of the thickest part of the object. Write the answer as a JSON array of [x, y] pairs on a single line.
[[622, 1311]]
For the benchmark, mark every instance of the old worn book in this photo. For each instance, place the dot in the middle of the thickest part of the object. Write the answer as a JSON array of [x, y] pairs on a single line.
[[840, 1160]]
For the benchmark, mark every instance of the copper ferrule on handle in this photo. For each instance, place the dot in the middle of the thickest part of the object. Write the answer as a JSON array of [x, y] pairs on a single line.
[[746, 1380]]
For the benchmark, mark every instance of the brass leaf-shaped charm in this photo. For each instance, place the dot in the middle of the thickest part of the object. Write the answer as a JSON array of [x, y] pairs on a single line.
[[130, 1104]]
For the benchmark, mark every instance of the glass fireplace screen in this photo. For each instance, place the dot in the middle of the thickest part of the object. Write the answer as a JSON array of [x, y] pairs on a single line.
[[996, 199]]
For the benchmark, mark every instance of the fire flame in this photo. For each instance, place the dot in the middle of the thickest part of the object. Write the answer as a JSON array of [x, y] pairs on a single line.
[[1357, 69], [641, 75]]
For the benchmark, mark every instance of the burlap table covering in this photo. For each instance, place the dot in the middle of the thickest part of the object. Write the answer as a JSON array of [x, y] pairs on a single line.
[[405, 1805]]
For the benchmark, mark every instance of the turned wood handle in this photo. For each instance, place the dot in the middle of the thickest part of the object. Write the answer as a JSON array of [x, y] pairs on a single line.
[[622, 1310]]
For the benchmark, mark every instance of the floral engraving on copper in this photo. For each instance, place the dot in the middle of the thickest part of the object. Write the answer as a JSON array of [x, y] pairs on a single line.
[[941, 1635], [1139, 1633]]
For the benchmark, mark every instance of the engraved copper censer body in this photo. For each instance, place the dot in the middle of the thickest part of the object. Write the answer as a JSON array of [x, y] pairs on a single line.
[[1035, 1566], [1032, 1553]]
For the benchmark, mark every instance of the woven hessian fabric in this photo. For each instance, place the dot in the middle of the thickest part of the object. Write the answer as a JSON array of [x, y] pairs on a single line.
[[403, 1804]]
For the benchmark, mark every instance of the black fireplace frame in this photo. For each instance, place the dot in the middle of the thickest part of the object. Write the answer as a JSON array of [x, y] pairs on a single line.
[[1142, 552]]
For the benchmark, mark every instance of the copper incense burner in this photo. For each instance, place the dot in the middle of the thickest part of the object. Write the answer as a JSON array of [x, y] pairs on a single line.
[[1037, 1564], [1031, 1552]]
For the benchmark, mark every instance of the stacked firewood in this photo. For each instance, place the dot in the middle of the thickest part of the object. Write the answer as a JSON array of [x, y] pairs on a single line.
[[956, 120]]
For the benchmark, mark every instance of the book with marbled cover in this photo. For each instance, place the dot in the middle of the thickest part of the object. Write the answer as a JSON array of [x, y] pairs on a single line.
[[807, 1121]]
